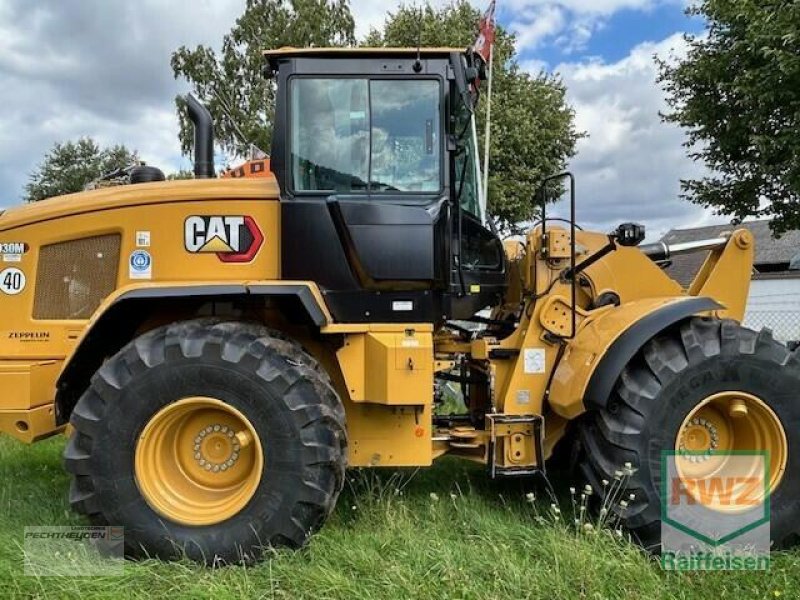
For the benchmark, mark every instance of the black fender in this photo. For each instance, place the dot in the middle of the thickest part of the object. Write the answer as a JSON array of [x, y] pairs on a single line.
[[621, 352], [117, 324]]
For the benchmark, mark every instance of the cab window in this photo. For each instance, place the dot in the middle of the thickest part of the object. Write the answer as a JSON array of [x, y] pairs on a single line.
[[466, 175], [361, 135]]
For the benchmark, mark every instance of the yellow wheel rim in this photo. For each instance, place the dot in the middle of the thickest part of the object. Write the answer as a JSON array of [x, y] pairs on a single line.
[[198, 461], [724, 424]]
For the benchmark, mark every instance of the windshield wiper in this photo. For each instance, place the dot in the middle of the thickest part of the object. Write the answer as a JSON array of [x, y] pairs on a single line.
[[385, 187]]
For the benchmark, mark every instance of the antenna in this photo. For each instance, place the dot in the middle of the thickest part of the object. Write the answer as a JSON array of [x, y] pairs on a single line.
[[418, 62]]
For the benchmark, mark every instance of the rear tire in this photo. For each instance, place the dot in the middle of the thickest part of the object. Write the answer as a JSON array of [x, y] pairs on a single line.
[[661, 387], [277, 390]]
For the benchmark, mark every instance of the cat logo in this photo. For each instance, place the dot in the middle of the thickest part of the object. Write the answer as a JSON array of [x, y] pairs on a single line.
[[234, 239]]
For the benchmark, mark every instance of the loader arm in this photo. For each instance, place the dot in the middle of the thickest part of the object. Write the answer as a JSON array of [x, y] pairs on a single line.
[[603, 346]]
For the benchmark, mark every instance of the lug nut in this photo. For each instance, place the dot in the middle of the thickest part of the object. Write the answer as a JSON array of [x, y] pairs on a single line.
[[738, 409], [245, 438]]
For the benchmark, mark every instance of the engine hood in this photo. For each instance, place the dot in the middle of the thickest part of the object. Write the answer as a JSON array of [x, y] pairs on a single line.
[[138, 195]]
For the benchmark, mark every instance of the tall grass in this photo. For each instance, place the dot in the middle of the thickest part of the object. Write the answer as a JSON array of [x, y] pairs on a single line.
[[444, 532]]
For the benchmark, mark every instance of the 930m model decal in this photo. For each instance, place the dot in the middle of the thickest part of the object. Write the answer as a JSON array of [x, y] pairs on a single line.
[[13, 251], [234, 239]]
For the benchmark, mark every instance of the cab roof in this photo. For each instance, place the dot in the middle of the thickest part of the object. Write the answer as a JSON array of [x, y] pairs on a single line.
[[291, 52]]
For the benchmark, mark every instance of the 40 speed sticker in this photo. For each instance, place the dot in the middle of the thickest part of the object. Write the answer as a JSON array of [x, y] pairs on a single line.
[[12, 281]]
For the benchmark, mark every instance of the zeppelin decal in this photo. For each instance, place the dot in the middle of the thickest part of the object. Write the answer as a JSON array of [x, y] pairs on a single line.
[[234, 239]]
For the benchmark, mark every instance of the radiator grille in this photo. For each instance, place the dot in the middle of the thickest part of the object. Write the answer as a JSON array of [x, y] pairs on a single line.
[[74, 277]]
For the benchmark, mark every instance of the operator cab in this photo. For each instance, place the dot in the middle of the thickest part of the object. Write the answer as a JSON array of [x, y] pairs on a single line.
[[375, 154]]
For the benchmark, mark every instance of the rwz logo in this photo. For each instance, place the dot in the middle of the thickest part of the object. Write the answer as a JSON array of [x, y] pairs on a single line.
[[234, 239]]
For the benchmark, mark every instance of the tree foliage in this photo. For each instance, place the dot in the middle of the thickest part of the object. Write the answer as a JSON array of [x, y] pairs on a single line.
[[180, 175], [240, 99], [69, 167], [533, 131], [737, 93]]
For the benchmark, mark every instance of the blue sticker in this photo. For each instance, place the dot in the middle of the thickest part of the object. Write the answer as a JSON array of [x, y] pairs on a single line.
[[141, 265]]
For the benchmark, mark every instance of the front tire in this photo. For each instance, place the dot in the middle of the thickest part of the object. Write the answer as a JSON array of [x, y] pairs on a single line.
[[681, 392], [209, 440]]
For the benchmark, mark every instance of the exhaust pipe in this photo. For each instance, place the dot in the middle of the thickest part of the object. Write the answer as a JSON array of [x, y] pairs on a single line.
[[203, 138]]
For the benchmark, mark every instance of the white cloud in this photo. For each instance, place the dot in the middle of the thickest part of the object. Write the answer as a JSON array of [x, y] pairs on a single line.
[[592, 7], [71, 69], [630, 167], [567, 24], [533, 25]]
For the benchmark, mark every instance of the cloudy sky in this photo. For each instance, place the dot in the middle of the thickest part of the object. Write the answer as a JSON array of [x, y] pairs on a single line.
[[100, 68]]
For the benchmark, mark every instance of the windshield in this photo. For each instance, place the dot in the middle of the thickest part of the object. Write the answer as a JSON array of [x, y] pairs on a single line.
[[358, 135]]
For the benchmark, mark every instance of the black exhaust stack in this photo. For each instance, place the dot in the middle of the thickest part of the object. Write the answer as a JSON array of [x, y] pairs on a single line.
[[203, 138]]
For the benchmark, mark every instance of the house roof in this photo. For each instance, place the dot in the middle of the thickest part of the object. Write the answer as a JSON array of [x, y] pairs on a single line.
[[768, 250]]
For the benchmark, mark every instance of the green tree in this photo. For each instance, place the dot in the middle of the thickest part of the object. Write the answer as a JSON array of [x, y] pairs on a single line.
[[737, 93], [180, 175], [69, 167], [533, 130], [231, 84], [533, 133]]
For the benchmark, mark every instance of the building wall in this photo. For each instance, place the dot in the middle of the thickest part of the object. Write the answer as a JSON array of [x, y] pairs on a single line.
[[775, 303]]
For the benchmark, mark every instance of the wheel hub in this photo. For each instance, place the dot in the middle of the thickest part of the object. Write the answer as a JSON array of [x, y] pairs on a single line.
[[198, 461], [729, 424], [699, 436], [216, 448]]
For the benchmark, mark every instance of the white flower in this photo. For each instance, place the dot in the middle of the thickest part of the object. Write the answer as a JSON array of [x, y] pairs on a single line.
[[530, 497], [434, 497]]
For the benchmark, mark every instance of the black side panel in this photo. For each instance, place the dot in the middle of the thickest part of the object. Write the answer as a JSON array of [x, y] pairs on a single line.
[[628, 344], [394, 242], [310, 246], [367, 254]]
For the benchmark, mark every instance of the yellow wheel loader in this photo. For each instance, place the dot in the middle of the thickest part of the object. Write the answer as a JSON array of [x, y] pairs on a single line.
[[220, 350]]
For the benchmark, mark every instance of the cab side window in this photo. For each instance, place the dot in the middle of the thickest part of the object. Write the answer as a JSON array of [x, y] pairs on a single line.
[[360, 135]]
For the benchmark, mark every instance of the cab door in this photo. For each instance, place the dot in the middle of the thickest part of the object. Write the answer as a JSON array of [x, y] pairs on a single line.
[[477, 275], [366, 189]]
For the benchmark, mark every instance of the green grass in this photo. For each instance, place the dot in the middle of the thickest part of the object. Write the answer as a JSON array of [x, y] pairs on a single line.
[[450, 533]]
